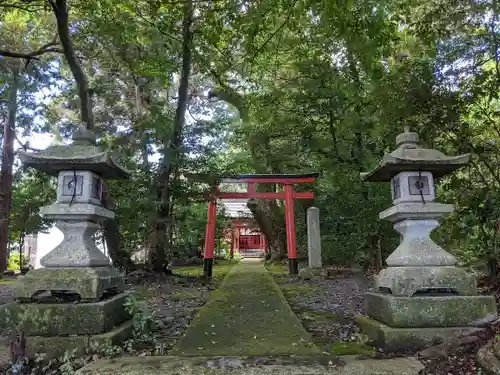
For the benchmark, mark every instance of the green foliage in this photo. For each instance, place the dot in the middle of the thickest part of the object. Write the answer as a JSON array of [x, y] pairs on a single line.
[[14, 261], [295, 86], [31, 190], [144, 320]]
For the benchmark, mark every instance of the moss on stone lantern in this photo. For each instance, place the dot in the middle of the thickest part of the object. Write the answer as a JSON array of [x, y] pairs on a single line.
[[421, 296], [77, 294]]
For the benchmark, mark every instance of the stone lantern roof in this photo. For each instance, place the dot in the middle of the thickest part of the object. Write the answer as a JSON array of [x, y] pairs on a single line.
[[82, 154], [409, 156]]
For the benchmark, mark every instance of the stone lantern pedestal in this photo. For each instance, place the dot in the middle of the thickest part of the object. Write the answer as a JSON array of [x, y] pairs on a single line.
[[77, 299], [421, 297]]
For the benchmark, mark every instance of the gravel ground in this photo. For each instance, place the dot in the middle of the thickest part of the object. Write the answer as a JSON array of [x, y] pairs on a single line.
[[343, 295], [175, 302]]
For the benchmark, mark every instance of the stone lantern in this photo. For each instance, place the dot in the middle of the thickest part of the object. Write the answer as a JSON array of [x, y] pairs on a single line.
[[77, 296], [421, 297]]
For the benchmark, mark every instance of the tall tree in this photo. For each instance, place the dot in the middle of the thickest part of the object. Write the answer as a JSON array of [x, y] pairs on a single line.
[[172, 150]]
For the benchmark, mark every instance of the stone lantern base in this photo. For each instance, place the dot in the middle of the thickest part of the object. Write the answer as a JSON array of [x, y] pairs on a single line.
[[90, 283], [412, 323], [66, 309], [403, 339], [55, 324]]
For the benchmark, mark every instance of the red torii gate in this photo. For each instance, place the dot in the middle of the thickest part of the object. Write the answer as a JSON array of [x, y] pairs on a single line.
[[288, 195]]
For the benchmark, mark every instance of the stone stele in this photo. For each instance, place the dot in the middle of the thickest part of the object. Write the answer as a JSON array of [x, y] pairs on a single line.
[[78, 297], [422, 296], [314, 238]]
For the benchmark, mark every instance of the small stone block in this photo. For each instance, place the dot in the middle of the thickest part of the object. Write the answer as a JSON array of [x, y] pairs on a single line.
[[53, 319], [426, 312], [404, 339], [56, 346], [488, 359], [311, 273], [496, 347], [91, 283]]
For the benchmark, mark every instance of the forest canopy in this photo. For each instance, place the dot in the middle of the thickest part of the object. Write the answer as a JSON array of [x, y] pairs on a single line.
[[267, 86]]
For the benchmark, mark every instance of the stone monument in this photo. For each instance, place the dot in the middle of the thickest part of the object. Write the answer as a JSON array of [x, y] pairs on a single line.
[[314, 238], [421, 297], [314, 265], [78, 296]]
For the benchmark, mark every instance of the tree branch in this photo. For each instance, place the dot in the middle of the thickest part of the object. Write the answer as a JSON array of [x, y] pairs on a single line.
[[49, 47], [60, 9], [30, 6]]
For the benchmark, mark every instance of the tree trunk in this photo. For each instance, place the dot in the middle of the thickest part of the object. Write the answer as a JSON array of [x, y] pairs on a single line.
[[112, 236], [6, 170], [171, 153], [60, 9]]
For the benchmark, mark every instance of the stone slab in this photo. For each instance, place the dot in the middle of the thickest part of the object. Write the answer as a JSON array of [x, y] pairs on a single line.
[[403, 339], [64, 319], [406, 281], [205, 366], [56, 346], [425, 312], [91, 283]]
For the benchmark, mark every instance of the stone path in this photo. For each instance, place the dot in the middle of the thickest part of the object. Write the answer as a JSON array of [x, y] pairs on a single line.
[[248, 315], [248, 328]]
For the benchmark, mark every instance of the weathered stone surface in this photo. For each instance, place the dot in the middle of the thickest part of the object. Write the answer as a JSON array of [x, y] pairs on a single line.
[[83, 154], [89, 283], [406, 281], [78, 222], [198, 366], [314, 238], [415, 221], [56, 346], [409, 156], [45, 319], [421, 312], [488, 360], [403, 339]]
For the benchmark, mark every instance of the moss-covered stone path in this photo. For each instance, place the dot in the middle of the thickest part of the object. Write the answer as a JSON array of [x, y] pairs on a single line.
[[247, 316]]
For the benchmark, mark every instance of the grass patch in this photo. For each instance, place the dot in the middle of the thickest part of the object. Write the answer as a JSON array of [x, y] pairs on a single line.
[[301, 289], [277, 268], [351, 348], [186, 295], [295, 291], [319, 316], [7, 281], [220, 269], [246, 316]]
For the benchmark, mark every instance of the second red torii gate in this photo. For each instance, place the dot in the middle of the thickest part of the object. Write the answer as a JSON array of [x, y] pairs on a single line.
[[288, 195]]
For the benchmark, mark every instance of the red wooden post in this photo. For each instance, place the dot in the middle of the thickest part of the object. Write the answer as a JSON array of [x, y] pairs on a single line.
[[261, 243], [293, 266], [231, 252], [237, 242], [208, 258], [251, 188]]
